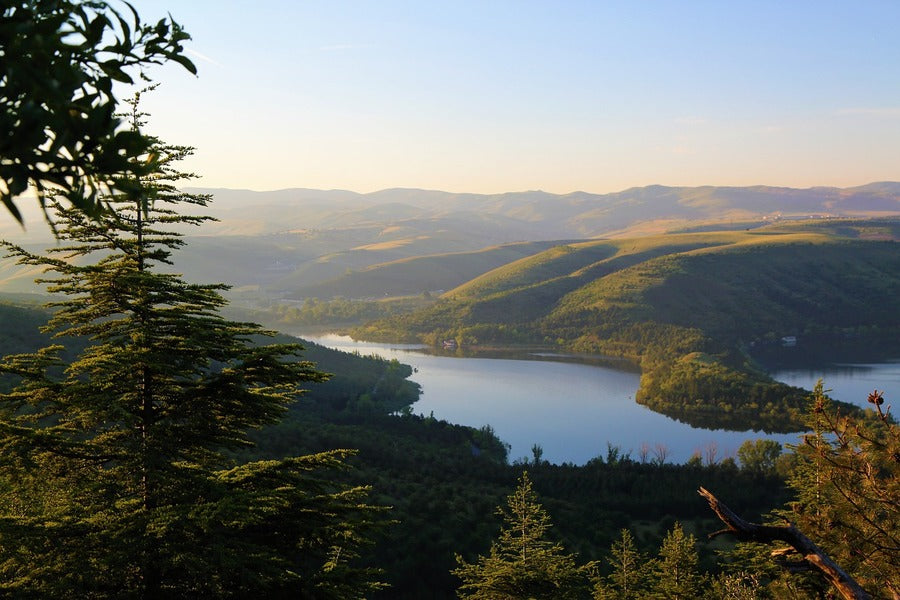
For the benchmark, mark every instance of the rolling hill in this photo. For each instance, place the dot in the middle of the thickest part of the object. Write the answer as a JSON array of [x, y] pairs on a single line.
[[687, 308], [418, 274], [300, 243], [357, 382]]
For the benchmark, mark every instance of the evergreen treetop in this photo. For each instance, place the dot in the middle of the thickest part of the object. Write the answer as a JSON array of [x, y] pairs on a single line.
[[523, 562], [115, 475]]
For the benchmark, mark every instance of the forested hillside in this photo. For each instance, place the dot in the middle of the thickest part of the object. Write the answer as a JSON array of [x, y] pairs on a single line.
[[689, 309], [356, 381], [443, 480]]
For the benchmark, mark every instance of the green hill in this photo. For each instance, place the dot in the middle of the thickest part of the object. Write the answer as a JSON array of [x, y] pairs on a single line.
[[314, 243], [365, 385], [687, 309], [415, 275]]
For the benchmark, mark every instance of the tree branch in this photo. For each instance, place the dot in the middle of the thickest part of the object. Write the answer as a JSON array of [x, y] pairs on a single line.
[[812, 554]]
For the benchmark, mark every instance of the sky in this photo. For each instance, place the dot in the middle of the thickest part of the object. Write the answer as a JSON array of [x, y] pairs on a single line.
[[494, 96]]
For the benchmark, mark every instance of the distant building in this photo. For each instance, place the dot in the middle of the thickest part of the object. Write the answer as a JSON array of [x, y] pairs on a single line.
[[789, 340]]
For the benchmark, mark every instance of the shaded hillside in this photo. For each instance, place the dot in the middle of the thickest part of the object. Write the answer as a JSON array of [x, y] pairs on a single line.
[[537, 215], [686, 308], [286, 243], [358, 384], [20, 325], [416, 275]]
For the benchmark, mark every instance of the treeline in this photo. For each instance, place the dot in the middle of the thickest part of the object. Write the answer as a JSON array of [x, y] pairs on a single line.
[[127, 461], [313, 312], [526, 562], [688, 310], [443, 482], [356, 383]]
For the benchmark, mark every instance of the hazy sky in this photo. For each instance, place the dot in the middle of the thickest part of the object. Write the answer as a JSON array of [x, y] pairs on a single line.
[[492, 96]]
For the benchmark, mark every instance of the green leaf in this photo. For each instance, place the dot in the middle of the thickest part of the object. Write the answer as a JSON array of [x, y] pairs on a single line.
[[185, 62]]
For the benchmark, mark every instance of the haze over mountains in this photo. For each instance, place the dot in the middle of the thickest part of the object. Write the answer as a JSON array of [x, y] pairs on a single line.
[[537, 215], [676, 280], [298, 243]]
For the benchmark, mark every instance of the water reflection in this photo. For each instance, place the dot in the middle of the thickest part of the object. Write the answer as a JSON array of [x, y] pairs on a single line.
[[849, 382], [571, 409]]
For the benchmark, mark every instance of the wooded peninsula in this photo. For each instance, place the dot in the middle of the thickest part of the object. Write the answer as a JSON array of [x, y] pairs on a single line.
[[157, 442]]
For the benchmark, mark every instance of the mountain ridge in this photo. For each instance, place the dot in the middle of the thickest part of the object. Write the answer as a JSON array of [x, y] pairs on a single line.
[[515, 215], [290, 242]]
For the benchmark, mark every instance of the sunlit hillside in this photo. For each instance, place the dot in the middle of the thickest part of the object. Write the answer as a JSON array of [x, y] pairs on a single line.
[[687, 308]]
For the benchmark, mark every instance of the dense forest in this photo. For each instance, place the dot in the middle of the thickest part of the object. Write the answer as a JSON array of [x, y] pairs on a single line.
[[151, 448], [443, 482]]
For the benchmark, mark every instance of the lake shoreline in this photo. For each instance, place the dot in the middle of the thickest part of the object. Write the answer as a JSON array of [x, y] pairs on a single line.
[[573, 410]]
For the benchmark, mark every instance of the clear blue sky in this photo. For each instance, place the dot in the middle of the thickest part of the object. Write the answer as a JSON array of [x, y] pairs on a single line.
[[491, 96]]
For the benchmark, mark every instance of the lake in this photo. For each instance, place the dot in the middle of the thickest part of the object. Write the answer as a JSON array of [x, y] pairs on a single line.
[[850, 382], [571, 410]]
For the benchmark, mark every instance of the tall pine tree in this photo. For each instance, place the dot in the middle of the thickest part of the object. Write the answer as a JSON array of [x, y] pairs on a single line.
[[523, 562], [847, 485], [677, 575], [630, 569], [115, 476]]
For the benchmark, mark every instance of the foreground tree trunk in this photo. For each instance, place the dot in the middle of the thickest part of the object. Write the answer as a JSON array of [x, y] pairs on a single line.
[[812, 554]]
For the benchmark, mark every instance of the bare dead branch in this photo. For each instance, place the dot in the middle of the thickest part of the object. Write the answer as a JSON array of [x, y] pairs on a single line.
[[812, 554]]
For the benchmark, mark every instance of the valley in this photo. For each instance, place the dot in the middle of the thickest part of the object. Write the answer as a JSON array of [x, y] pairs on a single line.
[[504, 300], [695, 308], [689, 310], [700, 313]]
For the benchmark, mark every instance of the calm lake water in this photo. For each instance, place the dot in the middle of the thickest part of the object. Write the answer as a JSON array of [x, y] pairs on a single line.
[[850, 382], [572, 410]]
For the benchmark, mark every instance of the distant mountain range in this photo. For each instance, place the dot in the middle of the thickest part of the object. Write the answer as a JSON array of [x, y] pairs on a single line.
[[302, 242], [537, 215]]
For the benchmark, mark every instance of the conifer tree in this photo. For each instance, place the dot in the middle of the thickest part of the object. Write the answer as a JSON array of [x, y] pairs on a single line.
[[523, 562], [115, 473], [677, 575], [630, 568], [739, 586], [847, 485]]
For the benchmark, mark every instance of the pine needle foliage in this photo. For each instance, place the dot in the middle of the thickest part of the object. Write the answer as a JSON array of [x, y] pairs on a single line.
[[677, 573], [630, 569], [523, 563], [848, 491], [115, 473]]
